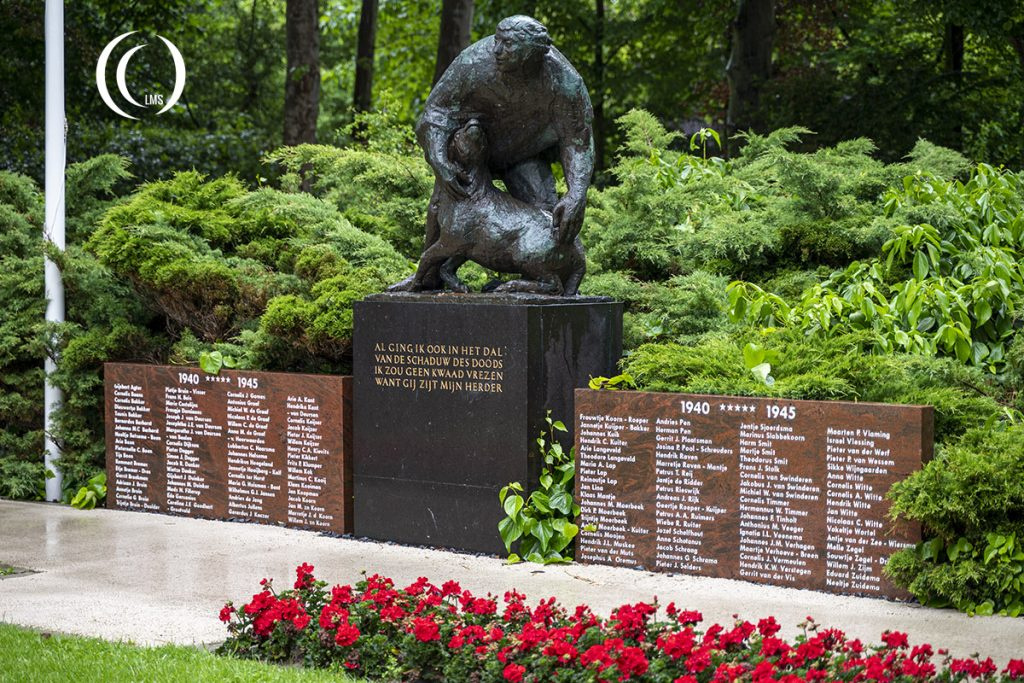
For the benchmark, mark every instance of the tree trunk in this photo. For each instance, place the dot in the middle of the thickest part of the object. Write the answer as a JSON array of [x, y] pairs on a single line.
[[1017, 41], [302, 82], [598, 91], [456, 20], [955, 67], [750, 64], [363, 98]]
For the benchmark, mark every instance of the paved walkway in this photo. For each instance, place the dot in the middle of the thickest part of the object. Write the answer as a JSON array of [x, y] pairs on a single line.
[[159, 579]]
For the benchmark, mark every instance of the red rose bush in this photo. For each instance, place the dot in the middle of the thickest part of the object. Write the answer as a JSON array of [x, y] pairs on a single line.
[[428, 633]]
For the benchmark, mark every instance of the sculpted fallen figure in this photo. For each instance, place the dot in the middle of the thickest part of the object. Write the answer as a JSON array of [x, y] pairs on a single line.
[[532, 109], [498, 231]]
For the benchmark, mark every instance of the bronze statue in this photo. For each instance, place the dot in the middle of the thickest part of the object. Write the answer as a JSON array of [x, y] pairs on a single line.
[[506, 108]]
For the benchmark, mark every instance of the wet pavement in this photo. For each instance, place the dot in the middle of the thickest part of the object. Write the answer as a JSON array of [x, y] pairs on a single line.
[[157, 579]]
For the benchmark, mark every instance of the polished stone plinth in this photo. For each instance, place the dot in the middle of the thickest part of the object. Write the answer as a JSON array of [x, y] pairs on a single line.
[[450, 394]]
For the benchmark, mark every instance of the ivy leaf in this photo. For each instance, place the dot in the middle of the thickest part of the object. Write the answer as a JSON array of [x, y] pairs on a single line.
[[512, 505], [562, 502], [542, 531], [510, 532], [753, 355], [762, 372], [211, 362]]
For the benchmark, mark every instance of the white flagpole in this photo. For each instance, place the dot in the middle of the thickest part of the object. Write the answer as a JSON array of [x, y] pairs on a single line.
[[53, 230]]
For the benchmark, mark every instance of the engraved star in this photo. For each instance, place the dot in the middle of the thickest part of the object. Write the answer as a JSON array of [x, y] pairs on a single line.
[[721, 406]]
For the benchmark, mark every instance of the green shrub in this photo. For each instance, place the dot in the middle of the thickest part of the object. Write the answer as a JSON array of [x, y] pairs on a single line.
[[383, 192], [970, 499], [952, 287], [681, 308], [103, 321], [827, 369]]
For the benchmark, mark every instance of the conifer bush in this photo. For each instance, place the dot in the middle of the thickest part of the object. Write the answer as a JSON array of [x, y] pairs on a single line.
[[179, 267]]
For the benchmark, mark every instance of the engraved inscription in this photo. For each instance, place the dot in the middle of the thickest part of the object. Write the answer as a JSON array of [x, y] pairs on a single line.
[[445, 368], [609, 505], [135, 443], [261, 447], [768, 490]]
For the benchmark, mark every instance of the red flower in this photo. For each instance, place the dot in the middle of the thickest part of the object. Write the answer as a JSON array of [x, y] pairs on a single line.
[[687, 616], [562, 651], [631, 662], [597, 654], [226, 612], [699, 661], [331, 615], [772, 646], [301, 621], [711, 635], [391, 613], [676, 645], [341, 595], [812, 649], [304, 576], [531, 636], [514, 672], [473, 605], [686, 679], [425, 629], [763, 671], [1015, 669], [726, 672], [768, 627], [895, 639], [736, 636], [417, 588], [631, 620], [469, 634], [450, 588], [346, 635]]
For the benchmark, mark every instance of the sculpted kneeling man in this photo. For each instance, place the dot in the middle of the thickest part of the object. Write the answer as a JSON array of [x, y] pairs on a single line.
[[533, 108]]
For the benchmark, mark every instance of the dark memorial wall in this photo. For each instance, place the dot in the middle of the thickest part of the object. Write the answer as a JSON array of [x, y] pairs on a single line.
[[273, 448], [776, 491], [450, 393]]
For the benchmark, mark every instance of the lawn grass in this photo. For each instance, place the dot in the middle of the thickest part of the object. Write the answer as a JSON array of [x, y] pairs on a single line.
[[27, 655]]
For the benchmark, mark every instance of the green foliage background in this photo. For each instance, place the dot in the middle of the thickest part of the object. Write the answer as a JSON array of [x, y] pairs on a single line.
[[861, 68]]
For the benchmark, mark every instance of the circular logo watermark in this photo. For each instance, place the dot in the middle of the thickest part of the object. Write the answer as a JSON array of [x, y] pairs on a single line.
[[150, 100]]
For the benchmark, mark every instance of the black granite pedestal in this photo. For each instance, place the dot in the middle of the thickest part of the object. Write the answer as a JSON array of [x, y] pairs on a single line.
[[450, 394]]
